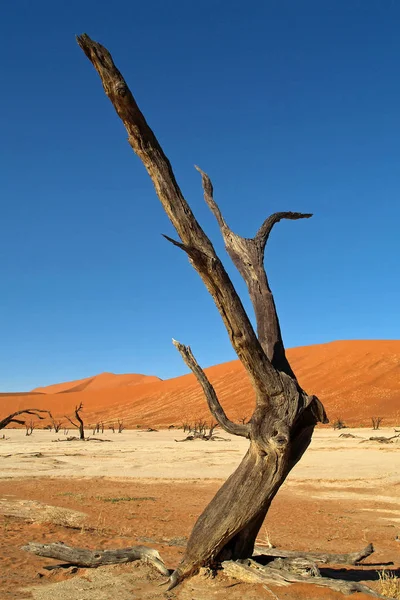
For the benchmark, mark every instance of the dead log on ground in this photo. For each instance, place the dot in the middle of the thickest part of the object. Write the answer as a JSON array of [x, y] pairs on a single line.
[[283, 572], [381, 439], [81, 557], [352, 558]]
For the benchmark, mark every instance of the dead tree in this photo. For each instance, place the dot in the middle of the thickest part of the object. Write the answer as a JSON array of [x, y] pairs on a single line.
[[27, 411], [57, 425], [80, 424], [30, 427], [284, 418], [121, 426], [376, 421], [199, 432]]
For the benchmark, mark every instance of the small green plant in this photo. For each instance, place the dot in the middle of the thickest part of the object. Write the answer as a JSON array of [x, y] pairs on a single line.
[[389, 584], [126, 499]]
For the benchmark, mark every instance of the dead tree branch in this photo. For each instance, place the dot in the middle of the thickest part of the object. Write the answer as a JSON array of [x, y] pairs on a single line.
[[81, 557], [213, 403], [282, 572], [36, 412], [352, 558]]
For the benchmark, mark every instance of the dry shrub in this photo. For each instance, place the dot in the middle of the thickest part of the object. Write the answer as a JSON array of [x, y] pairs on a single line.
[[389, 585], [63, 517]]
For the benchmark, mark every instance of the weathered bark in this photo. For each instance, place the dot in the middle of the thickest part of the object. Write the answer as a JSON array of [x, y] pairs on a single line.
[[28, 411], [282, 572], [282, 424], [81, 557], [351, 558], [80, 424]]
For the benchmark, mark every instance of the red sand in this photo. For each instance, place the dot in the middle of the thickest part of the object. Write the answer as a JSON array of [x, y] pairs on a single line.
[[354, 379], [156, 513]]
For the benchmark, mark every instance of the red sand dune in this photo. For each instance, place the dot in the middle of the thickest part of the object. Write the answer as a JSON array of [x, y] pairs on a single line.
[[354, 379], [102, 381]]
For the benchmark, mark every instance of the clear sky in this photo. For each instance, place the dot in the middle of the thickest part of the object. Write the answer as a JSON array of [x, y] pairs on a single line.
[[287, 105]]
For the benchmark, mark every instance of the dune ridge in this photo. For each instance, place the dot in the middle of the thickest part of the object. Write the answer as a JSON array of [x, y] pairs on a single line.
[[355, 380]]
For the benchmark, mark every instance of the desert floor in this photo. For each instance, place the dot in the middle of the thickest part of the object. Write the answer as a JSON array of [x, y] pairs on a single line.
[[145, 488]]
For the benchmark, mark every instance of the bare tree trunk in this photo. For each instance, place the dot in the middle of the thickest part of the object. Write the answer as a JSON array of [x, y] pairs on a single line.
[[80, 424], [282, 424]]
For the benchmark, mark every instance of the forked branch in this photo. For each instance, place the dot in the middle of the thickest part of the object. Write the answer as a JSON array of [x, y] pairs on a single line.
[[247, 254], [212, 399]]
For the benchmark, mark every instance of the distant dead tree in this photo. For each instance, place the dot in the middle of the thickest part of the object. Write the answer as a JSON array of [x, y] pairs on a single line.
[[66, 431], [282, 424], [201, 431], [376, 421], [30, 427], [339, 423], [36, 412], [101, 427], [80, 424], [56, 424], [112, 427], [121, 426]]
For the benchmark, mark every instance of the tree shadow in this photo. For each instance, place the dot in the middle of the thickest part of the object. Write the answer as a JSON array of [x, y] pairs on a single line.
[[360, 574]]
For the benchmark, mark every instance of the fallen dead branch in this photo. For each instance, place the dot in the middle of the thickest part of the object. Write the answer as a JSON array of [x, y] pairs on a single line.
[[81, 557], [76, 439], [352, 558], [284, 571], [381, 439]]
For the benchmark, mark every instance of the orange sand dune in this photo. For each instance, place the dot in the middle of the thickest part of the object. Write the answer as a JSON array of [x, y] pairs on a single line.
[[354, 379], [104, 380]]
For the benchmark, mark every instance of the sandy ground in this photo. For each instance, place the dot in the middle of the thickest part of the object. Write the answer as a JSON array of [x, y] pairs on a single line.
[[146, 488], [156, 454]]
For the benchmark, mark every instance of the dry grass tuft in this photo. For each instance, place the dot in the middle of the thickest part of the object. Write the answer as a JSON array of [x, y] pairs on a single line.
[[62, 516], [389, 585]]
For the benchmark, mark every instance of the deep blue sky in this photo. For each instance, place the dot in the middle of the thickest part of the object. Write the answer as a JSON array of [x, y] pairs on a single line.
[[287, 105]]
